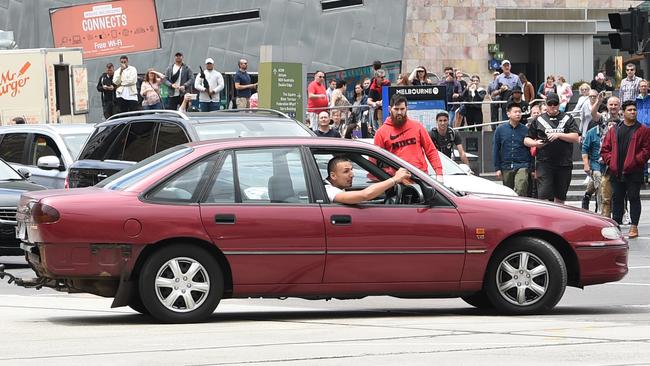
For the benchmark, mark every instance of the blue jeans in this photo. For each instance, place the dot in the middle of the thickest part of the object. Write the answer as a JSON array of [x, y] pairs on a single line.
[[208, 106], [452, 115], [154, 106]]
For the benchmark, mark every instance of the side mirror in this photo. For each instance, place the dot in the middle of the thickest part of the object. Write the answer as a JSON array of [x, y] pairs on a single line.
[[24, 173], [466, 168], [429, 194], [49, 162]]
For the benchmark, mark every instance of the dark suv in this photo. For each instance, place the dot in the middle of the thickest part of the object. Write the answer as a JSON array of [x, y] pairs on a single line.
[[127, 138]]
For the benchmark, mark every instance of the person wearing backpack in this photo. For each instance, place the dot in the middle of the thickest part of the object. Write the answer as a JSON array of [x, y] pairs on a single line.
[[553, 134], [446, 139]]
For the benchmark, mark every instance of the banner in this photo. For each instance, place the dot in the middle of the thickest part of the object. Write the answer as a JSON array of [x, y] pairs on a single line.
[[79, 89], [107, 28], [423, 102]]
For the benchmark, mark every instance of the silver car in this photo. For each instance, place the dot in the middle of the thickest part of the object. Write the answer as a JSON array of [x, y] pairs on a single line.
[[46, 151]]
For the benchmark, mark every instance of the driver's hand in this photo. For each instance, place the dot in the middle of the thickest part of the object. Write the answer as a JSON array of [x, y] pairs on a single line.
[[401, 174]]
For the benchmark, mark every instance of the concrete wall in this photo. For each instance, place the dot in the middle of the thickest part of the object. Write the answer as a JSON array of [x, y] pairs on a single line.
[[326, 40]]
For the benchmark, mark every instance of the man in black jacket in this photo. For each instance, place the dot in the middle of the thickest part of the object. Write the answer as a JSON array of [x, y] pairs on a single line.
[[107, 89], [179, 78]]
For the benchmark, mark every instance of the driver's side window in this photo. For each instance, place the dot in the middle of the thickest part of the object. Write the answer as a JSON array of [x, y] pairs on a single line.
[[367, 171]]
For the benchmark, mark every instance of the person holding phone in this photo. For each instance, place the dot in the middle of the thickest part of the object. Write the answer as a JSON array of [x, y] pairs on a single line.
[[125, 78], [553, 134]]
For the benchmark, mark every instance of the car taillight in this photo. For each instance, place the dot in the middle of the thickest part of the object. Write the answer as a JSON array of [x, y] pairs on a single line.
[[44, 214]]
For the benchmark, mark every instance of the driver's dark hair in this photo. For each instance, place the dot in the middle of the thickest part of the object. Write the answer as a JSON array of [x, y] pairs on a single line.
[[331, 165]]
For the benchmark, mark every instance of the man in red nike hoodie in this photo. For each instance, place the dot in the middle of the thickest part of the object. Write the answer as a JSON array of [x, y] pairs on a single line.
[[407, 138]]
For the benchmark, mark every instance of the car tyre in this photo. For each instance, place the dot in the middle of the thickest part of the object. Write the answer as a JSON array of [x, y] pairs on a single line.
[[479, 300], [181, 284], [525, 276]]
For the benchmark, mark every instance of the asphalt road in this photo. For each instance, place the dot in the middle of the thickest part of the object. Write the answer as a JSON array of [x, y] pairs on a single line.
[[601, 325]]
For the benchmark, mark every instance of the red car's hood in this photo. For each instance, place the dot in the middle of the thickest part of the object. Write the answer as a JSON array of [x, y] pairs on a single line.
[[522, 205]]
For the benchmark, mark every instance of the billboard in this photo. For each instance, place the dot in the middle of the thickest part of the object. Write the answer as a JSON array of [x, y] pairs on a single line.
[[357, 74], [423, 101], [107, 28]]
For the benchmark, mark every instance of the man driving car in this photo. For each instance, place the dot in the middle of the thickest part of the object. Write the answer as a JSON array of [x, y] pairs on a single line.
[[340, 175]]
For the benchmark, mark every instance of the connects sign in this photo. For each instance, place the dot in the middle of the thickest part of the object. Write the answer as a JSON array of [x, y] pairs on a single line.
[[107, 28], [13, 81], [103, 17]]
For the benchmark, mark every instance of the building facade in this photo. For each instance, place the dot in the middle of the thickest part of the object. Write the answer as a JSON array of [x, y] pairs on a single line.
[[539, 37]]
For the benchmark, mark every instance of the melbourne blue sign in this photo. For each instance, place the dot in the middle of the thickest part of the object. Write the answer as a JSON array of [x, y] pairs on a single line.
[[423, 102]]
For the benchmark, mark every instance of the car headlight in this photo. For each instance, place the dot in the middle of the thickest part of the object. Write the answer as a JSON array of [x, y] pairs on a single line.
[[611, 232]]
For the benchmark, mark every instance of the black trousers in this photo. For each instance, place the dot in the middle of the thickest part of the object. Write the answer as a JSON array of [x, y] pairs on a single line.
[[125, 105], [174, 102], [494, 112], [552, 181], [109, 109], [633, 191]]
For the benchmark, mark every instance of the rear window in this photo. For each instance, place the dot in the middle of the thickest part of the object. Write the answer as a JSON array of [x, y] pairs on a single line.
[[140, 141], [126, 177], [256, 128], [105, 139], [74, 143]]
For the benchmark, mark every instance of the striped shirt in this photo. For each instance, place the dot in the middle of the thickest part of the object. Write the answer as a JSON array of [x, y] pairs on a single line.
[[629, 89]]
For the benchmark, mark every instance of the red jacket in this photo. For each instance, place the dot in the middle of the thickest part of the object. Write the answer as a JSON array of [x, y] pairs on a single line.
[[408, 142], [374, 86], [638, 151]]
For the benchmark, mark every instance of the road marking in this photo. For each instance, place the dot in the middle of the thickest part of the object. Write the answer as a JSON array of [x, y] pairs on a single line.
[[629, 284], [639, 267]]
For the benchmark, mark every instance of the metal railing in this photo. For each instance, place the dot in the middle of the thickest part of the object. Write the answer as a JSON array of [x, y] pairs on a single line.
[[575, 114]]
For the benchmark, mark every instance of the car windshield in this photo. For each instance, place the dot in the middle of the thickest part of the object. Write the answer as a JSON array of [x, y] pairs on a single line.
[[74, 143], [248, 128], [449, 167], [7, 173], [127, 177]]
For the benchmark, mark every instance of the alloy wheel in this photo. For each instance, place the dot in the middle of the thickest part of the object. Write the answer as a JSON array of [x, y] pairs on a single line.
[[522, 278], [182, 284]]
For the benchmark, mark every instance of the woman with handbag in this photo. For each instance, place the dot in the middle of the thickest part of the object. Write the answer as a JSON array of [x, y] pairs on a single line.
[[150, 90]]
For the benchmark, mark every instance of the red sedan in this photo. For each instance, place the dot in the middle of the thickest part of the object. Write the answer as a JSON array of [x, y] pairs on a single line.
[[174, 234]]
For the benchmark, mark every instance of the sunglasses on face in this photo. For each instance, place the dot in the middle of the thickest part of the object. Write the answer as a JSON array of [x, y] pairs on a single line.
[[475, 80], [552, 104]]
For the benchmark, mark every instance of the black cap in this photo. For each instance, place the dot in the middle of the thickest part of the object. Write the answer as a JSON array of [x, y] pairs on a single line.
[[552, 97], [178, 54], [516, 89]]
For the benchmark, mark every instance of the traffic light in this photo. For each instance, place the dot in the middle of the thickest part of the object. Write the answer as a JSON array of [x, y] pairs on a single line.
[[632, 27]]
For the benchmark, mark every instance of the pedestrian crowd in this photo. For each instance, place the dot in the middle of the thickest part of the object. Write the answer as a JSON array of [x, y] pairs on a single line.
[[177, 88], [532, 149]]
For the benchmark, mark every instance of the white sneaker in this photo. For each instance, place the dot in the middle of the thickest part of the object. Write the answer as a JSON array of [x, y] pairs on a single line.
[[626, 218]]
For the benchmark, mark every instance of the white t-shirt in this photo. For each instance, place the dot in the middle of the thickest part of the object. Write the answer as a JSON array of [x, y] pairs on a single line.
[[178, 81], [331, 190]]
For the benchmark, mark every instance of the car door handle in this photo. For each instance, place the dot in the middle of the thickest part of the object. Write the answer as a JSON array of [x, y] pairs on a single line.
[[224, 219], [341, 219]]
